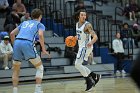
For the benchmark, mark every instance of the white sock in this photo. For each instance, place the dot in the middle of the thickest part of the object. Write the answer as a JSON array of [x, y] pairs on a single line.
[[38, 88], [15, 90]]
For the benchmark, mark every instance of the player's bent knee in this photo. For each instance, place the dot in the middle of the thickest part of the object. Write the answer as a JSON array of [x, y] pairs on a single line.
[[39, 72], [36, 61]]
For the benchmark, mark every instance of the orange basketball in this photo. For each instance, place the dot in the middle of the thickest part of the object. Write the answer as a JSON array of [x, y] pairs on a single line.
[[70, 41]]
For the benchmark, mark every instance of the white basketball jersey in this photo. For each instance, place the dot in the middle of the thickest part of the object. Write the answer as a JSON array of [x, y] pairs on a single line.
[[83, 38]]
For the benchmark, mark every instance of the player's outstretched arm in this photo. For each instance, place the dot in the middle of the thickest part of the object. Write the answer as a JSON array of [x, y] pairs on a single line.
[[89, 30], [13, 34], [41, 40]]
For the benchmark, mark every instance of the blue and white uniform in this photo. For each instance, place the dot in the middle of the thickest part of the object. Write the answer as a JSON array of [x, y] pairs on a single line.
[[83, 40], [24, 44], [84, 51]]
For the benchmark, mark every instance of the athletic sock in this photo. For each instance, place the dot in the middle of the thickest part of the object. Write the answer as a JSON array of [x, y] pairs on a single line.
[[15, 90], [38, 88]]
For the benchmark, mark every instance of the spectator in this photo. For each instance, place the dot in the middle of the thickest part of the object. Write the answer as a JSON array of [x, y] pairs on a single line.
[[126, 36], [127, 11], [71, 52], [136, 34], [2, 35], [4, 6], [79, 5], [119, 54], [134, 9], [19, 7], [130, 10], [6, 51], [12, 20], [25, 17], [125, 2]]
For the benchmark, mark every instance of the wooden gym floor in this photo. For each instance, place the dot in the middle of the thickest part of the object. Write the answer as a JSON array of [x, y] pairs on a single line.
[[105, 85]]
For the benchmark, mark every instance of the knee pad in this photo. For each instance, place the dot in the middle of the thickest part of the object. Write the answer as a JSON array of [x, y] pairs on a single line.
[[39, 72]]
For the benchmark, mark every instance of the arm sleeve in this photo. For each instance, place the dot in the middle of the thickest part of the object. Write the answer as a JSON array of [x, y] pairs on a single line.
[[41, 27], [19, 27]]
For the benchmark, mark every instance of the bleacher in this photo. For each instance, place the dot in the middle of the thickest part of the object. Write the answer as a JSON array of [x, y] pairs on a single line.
[[58, 19]]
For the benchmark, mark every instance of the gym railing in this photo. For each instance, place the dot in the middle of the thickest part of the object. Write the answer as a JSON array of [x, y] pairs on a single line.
[[69, 26], [97, 3], [116, 13], [95, 14], [104, 19], [71, 7]]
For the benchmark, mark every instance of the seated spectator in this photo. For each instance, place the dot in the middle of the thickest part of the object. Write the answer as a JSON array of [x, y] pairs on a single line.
[[119, 54], [131, 10], [134, 9], [136, 34], [19, 7], [4, 6], [25, 17], [12, 20], [126, 36], [2, 35], [127, 11], [6, 51], [71, 52]]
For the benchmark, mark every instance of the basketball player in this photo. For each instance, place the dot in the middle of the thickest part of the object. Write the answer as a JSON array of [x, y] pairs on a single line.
[[84, 32], [23, 46]]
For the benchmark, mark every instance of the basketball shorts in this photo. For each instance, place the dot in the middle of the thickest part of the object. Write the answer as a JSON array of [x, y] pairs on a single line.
[[83, 53], [24, 50]]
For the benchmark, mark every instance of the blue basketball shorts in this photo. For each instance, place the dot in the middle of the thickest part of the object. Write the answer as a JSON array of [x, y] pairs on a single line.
[[24, 50]]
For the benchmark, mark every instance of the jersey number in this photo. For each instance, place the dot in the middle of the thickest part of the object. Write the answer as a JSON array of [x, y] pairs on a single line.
[[78, 36], [27, 24]]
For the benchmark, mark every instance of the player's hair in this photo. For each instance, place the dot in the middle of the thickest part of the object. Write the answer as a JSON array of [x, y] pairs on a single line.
[[77, 14], [35, 14]]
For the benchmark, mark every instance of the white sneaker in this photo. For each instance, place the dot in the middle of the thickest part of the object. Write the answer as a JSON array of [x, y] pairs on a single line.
[[118, 73], [6, 68], [123, 72]]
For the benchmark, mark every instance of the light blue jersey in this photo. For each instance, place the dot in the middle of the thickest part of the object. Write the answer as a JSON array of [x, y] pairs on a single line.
[[23, 46], [29, 29]]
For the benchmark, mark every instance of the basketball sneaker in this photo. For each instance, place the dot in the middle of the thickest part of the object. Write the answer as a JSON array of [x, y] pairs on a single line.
[[95, 77], [89, 84]]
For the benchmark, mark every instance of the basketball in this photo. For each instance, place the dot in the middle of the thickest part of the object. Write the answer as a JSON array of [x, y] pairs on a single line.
[[70, 41]]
